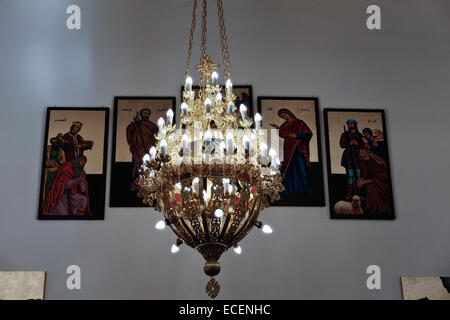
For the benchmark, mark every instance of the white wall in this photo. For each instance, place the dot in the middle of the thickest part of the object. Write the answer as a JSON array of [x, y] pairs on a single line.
[[296, 48]]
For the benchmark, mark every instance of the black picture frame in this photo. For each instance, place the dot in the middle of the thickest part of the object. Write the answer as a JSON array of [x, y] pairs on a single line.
[[120, 195], [336, 181], [96, 182], [250, 93], [316, 198]]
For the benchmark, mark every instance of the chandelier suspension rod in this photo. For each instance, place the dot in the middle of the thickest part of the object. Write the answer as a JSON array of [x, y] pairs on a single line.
[[224, 41], [191, 37]]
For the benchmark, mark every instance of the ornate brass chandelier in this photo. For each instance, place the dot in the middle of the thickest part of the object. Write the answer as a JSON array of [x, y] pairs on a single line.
[[213, 176]]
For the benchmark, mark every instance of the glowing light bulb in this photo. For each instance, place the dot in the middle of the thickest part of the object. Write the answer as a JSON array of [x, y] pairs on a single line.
[[161, 124], [169, 116], [208, 137], [146, 158], [218, 213], [205, 196], [229, 86], [184, 108], [164, 147], [160, 225], [188, 84], [246, 142], [208, 105], [273, 156], [226, 184], [243, 110], [152, 153], [230, 143], [195, 185], [267, 229], [175, 248], [237, 249], [263, 149], [214, 77], [258, 120], [219, 98], [185, 141]]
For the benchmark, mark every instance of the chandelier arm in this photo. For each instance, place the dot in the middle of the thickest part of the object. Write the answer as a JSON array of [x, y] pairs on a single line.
[[224, 41], [190, 242], [224, 228], [248, 224], [191, 37], [181, 235], [203, 215]]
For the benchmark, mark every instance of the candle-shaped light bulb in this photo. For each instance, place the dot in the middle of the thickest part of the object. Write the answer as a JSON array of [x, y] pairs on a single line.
[[208, 137], [246, 142], [229, 86], [277, 163], [263, 149], [214, 77], [243, 110], [230, 107], [152, 153], [161, 124], [208, 105], [169, 117], [218, 98], [195, 185], [222, 147], [205, 196], [164, 147], [258, 120], [272, 153], [226, 184], [230, 143], [184, 108], [185, 141], [146, 158], [188, 84]]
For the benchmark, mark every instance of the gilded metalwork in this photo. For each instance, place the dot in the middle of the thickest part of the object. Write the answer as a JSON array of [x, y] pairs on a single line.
[[212, 288], [210, 199]]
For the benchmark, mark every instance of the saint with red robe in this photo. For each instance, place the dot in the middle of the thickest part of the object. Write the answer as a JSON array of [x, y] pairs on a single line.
[[296, 135], [68, 194], [141, 136]]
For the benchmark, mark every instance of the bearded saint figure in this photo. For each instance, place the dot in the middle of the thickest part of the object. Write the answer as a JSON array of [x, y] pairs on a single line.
[[141, 136], [68, 194], [296, 135]]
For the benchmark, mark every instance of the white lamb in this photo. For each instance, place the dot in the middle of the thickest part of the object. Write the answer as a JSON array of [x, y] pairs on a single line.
[[344, 207]]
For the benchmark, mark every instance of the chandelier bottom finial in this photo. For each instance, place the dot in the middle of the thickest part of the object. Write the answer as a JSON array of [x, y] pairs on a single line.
[[212, 288]]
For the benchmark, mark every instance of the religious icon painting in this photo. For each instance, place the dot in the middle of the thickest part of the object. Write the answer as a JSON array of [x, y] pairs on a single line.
[[298, 138], [359, 178], [74, 164], [135, 131], [244, 95]]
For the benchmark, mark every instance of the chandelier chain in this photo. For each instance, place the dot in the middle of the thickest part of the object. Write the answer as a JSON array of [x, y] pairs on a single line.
[[204, 30], [224, 42], [191, 37]]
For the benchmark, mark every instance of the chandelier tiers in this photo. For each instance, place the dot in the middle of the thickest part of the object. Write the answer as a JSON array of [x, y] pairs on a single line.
[[211, 179]]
